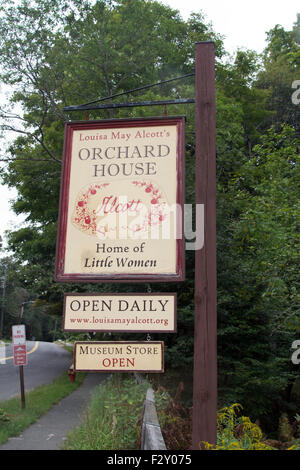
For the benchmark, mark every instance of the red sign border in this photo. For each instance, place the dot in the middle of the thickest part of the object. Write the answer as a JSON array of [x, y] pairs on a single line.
[[59, 274]]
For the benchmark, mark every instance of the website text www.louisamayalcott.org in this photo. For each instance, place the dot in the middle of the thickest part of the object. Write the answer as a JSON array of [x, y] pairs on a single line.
[[120, 321]]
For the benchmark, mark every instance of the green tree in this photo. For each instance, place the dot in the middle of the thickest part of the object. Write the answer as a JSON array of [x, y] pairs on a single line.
[[237, 81], [10, 295], [259, 297], [83, 51], [281, 60]]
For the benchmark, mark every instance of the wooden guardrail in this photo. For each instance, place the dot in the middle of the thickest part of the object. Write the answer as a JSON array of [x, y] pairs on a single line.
[[151, 438]]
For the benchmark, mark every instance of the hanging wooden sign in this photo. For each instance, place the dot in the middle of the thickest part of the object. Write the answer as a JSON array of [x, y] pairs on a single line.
[[119, 356], [127, 313], [121, 203]]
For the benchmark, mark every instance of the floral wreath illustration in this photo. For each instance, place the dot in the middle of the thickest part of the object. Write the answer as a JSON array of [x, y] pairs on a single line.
[[86, 218]]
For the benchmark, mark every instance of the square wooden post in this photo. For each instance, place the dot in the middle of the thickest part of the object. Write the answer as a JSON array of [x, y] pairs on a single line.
[[205, 336]]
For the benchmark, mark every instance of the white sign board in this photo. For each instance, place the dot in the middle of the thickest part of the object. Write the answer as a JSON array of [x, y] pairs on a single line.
[[18, 334], [19, 345]]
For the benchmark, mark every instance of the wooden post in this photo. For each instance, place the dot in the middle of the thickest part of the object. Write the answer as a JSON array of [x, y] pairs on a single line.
[[22, 387], [205, 337], [21, 371]]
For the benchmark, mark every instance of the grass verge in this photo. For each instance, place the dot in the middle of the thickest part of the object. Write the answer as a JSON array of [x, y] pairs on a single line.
[[14, 419], [113, 419]]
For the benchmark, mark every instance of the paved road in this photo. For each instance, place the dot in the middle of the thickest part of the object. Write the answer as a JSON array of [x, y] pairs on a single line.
[[46, 361]]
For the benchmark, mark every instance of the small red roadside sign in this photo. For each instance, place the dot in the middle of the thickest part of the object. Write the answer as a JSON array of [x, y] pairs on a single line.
[[20, 357]]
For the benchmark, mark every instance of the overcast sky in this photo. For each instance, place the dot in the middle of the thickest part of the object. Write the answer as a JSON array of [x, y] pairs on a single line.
[[244, 25]]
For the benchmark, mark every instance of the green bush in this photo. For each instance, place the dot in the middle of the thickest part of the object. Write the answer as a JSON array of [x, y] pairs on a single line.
[[112, 421], [236, 432]]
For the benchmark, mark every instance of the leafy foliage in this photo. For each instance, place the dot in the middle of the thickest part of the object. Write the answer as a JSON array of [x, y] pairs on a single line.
[[238, 433], [281, 61], [112, 420]]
